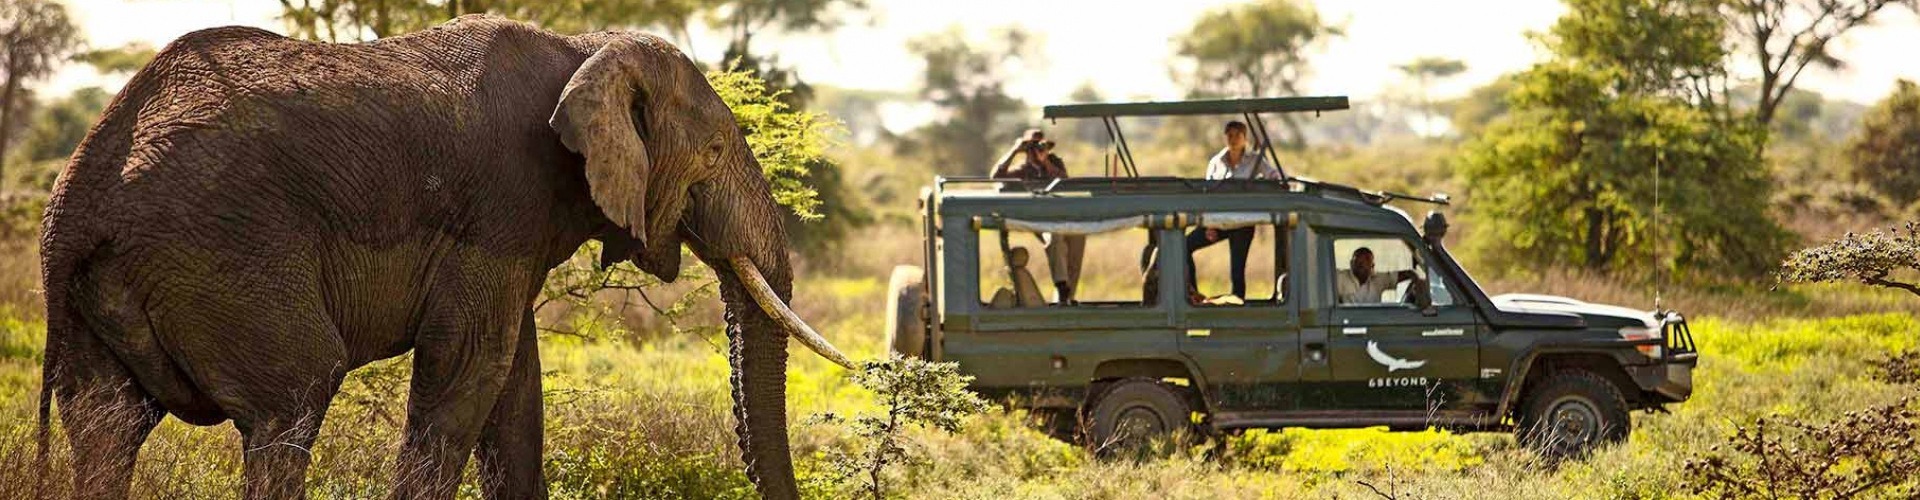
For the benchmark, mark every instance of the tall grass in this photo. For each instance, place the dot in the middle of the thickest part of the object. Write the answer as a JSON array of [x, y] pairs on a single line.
[[651, 420]]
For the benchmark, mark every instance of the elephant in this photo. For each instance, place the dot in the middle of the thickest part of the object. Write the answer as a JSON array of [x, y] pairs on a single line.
[[254, 216]]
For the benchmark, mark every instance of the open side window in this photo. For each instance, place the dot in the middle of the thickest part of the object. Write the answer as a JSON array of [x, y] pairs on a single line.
[[1267, 267], [1023, 269]]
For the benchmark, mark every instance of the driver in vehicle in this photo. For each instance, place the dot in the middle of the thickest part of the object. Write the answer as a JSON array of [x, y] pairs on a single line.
[[1361, 285]]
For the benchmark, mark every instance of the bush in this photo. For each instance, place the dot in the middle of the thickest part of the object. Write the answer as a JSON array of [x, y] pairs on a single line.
[[912, 393], [1861, 453]]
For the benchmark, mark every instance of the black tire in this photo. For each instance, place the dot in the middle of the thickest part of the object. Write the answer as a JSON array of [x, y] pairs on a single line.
[[1131, 414], [1571, 413], [906, 310]]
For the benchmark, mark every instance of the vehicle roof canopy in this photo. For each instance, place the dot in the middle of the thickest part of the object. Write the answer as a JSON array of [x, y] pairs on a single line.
[[1249, 109], [1198, 107]]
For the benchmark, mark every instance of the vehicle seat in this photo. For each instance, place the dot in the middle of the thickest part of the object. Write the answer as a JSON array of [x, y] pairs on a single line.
[[1026, 292]]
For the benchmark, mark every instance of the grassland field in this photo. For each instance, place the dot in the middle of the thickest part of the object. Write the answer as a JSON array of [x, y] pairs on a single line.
[[643, 412]]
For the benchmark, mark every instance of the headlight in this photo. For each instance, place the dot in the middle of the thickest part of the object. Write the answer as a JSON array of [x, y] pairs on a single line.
[[1643, 333]]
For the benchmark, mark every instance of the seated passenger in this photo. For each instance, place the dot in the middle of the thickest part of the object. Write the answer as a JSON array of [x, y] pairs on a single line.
[[1361, 285]]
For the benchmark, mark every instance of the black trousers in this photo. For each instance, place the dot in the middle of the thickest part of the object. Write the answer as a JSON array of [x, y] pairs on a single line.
[[1238, 242]]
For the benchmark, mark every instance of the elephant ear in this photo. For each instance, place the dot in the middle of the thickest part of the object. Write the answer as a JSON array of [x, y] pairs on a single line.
[[601, 115]]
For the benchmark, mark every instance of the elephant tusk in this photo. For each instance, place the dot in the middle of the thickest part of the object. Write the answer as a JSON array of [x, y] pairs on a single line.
[[774, 307]]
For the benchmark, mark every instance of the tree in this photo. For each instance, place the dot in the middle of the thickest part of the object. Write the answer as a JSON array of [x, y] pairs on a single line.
[[1786, 36], [968, 83], [1255, 50], [1424, 71], [1874, 259], [1483, 105], [34, 35], [1569, 178], [742, 19], [1886, 150], [1568, 175], [56, 129]]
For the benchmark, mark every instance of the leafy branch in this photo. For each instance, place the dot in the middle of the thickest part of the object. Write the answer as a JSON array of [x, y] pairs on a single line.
[[1872, 259]]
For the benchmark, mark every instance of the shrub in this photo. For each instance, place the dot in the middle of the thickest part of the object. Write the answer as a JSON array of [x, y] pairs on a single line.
[[1861, 453], [912, 393]]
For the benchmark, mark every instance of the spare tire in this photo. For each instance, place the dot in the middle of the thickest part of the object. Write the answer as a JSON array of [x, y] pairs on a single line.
[[906, 312]]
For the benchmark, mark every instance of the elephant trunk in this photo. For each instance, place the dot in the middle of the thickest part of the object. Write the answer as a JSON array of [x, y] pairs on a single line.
[[741, 238]]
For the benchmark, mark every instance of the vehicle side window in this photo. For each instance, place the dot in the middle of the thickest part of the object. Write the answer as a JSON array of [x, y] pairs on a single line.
[[1441, 286], [1025, 274], [1386, 269], [1265, 266]]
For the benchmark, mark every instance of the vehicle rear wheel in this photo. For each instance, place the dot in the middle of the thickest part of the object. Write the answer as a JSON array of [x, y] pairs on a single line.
[[1571, 413], [906, 320], [1132, 413]]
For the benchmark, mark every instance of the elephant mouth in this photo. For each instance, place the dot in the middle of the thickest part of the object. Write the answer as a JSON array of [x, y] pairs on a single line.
[[769, 302]]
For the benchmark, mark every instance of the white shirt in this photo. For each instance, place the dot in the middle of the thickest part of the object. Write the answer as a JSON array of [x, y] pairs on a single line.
[[1253, 165], [1352, 291]]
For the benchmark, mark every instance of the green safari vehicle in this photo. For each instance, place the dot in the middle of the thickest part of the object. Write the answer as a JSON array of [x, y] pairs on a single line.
[[1144, 359]]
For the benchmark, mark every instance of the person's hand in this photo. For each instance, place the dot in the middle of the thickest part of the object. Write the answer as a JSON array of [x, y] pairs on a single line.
[[1213, 234]]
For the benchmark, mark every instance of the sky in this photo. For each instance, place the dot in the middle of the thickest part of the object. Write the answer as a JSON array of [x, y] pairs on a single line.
[[1122, 47]]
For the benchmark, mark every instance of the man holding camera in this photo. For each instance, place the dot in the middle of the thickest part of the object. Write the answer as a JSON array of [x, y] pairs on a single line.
[[1039, 164]]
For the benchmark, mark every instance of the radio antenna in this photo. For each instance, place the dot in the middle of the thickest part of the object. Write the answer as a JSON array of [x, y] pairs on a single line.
[[1659, 274]]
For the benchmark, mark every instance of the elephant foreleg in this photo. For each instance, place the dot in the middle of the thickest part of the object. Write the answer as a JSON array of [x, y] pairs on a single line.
[[511, 445]]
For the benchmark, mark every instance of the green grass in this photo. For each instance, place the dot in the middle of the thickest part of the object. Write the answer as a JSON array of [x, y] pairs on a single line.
[[651, 420]]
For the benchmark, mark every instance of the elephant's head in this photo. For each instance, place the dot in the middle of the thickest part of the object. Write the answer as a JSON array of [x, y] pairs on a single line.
[[666, 163]]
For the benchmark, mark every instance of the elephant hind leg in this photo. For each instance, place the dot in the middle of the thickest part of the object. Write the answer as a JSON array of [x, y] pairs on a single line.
[[106, 415], [464, 350], [511, 445]]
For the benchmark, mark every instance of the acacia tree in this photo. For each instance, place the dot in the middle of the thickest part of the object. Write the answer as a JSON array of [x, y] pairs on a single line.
[[1784, 37], [1886, 150], [1256, 50], [34, 35], [1424, 71], [1568, 175]]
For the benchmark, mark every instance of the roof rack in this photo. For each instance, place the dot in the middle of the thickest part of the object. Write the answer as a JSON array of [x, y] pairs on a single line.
[[1205, 107], [1183, 185], [1248, 108]]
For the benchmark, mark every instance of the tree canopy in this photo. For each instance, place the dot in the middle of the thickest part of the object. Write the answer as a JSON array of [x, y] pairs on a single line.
[[34, 36], [1257, 49], [1568, 175], [1784, 37], [1886, 150]]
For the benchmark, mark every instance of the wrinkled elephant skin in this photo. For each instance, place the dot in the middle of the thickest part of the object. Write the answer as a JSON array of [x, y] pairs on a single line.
[[255, 216]]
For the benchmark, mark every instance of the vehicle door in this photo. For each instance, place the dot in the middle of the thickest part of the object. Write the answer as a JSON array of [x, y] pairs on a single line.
[[1389, 354], [1248, 353]]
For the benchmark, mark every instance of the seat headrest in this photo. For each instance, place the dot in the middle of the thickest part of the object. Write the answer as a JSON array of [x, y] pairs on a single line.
[[1018, 257]]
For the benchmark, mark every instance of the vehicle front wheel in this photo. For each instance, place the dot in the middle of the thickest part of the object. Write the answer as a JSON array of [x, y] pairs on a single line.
[[1132, 413], [1570, 414]]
